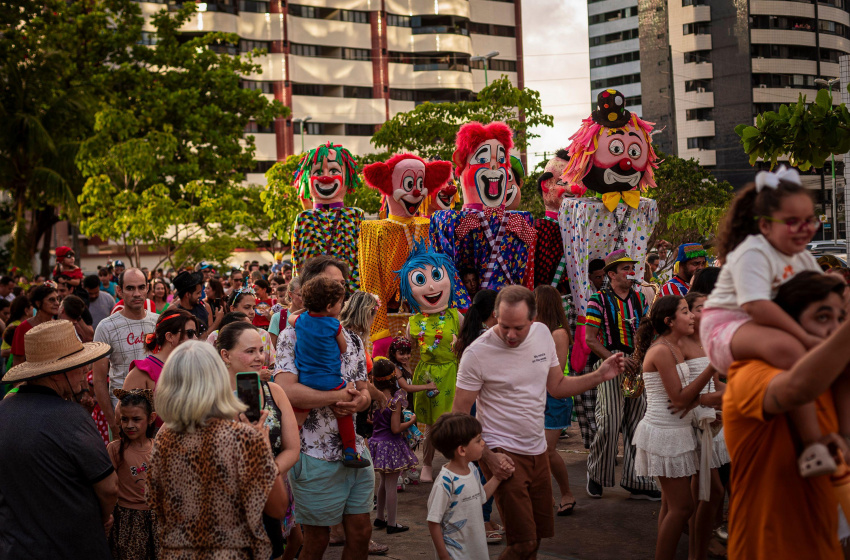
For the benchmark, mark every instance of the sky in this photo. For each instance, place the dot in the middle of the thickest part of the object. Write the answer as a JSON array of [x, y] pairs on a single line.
[[556, 64]]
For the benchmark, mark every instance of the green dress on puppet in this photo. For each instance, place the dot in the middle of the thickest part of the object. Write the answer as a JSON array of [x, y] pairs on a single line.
[[437, 362]]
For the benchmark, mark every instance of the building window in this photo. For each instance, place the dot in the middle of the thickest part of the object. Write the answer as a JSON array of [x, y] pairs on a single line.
[[313, 12], [303, 50], [246, 45], [835, 3], [614, 37], [701, 143], [432, 96], [260, 167], [315, 90], [697, 57], [614, 59], [833, 28], [788, 51], [800, 81], [784, 23], [255, 6], [703, 114], [356, 92], [633, 101], [613, 16], [302, 11], [354, 16], [148, 38], [311, 128], [615, 81], [253, 128], [495, 64], [359, 129], [694, 3], [265, 87], [491, 29], [394, 20], [698, 86], [697, 28], [355, 54]]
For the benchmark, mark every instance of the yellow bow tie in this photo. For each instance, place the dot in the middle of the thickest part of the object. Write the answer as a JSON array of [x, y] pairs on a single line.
[[612, 199]]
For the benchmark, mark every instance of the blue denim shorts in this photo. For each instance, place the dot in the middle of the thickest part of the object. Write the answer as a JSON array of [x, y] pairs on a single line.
[[558, 413], [326, 490]]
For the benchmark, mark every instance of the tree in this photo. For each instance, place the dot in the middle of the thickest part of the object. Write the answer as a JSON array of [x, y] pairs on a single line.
[[55, 57], [691, 202], [807, 133], [429, 130], [164, 166]]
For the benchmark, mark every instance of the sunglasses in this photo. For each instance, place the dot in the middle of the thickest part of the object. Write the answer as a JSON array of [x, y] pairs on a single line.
[[69, 255], [191, 333], [235, 279]]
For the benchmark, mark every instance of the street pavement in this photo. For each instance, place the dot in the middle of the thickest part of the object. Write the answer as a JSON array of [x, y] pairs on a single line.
[[612, 527]]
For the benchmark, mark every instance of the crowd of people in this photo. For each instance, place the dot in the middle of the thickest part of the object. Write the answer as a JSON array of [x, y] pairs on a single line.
[[124, 438]]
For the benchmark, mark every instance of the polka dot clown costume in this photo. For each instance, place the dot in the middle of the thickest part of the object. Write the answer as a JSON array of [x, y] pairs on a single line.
[[611, 154]]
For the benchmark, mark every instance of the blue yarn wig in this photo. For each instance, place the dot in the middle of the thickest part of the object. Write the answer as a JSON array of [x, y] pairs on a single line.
[[421, 255]]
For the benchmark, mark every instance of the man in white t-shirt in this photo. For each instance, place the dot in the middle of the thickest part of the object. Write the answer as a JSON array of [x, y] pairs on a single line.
[[508, 369], [125, 332]]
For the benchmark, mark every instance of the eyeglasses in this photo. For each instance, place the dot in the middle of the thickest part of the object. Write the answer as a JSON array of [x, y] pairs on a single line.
[[236, 280], [191, 333], [795, 225]]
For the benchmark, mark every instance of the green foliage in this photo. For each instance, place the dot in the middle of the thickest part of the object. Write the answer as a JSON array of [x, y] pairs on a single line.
[[429, 130], [532, 199], [164, 164], [280, 198], [691, 202], [807, 133]]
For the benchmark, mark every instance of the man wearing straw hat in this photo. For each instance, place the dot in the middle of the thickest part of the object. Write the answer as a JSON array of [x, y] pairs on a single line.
[[57, 484], [613, 316]]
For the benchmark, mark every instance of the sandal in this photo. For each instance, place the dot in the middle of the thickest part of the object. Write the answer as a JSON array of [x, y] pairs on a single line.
[[566, 509], [496, 528], [376, 549], [494, 537], [816, 461]]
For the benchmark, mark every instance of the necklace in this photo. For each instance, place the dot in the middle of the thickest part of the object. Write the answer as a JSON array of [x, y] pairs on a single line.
[[438, 337]]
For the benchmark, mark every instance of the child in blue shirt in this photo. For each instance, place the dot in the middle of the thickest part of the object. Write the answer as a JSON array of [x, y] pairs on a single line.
[[319, 345]]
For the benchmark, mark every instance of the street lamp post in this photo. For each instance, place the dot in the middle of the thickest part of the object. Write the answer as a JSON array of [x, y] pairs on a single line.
[[303, 126], [828, 84], [486, 59]]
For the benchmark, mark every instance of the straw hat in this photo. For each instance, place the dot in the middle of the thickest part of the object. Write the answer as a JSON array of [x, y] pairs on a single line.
[[617, 257], [53, 347]]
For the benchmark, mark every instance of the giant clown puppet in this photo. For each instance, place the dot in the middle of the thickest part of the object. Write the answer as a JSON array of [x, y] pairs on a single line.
[[427, 281], [483, 236], [329, 228], [612, 155], [549, 259], [405, 182]]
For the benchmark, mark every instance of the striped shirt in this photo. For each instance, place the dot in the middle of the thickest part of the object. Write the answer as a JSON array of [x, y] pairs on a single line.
[[616, 319], [675, 287]]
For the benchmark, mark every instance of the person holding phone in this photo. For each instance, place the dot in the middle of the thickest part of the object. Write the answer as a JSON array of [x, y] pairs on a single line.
[[241, 349], [201, 451]]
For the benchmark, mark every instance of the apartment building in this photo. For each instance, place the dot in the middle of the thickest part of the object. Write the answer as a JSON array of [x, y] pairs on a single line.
[[346, 66], [615, 52]]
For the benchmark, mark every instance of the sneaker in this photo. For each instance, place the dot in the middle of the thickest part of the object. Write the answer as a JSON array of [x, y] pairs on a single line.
[[353, 460], [651, 495], [594, 489]]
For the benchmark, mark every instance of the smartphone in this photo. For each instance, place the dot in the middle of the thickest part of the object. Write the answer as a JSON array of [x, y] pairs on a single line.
[[250, 392]]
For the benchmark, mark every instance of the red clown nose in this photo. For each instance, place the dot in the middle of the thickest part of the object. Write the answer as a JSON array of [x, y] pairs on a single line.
[[328, 179], [625, 164], [416, 192]]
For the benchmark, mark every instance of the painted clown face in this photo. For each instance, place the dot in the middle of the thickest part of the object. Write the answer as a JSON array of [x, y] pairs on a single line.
[[620, 160], [431, 288], [409, 190], [555, 190], [443, 199], [513, 196], [485, 177], [327, 180]]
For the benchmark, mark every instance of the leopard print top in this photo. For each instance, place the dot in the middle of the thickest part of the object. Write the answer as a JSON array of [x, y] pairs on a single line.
[[208, 490]]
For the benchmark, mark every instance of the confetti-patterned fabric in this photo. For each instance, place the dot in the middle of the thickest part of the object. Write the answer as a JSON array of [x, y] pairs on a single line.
[[675, 287], [589, 231], [617, 320], [459, 235], [317, 232], [383, 248], [548, 254]]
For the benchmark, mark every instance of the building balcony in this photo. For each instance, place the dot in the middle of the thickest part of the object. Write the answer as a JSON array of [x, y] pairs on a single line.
[[330, 33], [784, 66], [833, 14], [497, 13], [260, 27], [781, 8], [314, 70], [429, 7], [405, 39], [688, 43], [404, 76], [784, 37], [339, 109], [834, 42], [693, 14], [781, 95], [207, 22]]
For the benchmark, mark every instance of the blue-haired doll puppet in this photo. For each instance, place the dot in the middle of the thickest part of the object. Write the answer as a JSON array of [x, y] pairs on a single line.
[[427, 282], [325, 175]]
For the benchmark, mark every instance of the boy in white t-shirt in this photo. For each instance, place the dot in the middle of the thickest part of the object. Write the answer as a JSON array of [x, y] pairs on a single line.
[[455, 518]]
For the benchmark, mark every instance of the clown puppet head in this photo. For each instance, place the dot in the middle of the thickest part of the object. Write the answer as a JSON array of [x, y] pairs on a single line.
[[482, 160], [427, 280], [553, 189], [612, 151], [326, 174], [516, 172], [443, 198], [405, 181]]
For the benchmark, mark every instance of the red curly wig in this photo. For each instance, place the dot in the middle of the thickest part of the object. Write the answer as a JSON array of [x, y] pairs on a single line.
[[379, 175], [471, 135]]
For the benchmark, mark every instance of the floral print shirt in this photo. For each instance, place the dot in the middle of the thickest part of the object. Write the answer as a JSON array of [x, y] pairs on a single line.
[[320, 435]]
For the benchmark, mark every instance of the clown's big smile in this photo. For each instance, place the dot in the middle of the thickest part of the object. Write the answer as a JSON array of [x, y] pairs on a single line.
[[491, 186], [510, 195], [612, 177], [445, 199], [433, 299], [327, 186], [411, 204], [604, 180]]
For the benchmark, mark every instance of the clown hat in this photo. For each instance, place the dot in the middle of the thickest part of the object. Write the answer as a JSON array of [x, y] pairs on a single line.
[[688, 251], [611, 109], [617, 257]]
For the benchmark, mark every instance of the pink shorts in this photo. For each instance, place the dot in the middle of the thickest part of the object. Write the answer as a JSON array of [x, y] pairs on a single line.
[[717, 327]]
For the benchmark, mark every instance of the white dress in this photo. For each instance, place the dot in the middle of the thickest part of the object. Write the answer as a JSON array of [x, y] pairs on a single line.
[[719, 454], [666, 445]]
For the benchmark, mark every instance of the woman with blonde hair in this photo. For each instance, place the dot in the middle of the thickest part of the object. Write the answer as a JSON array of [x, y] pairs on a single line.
[[208, 468]]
